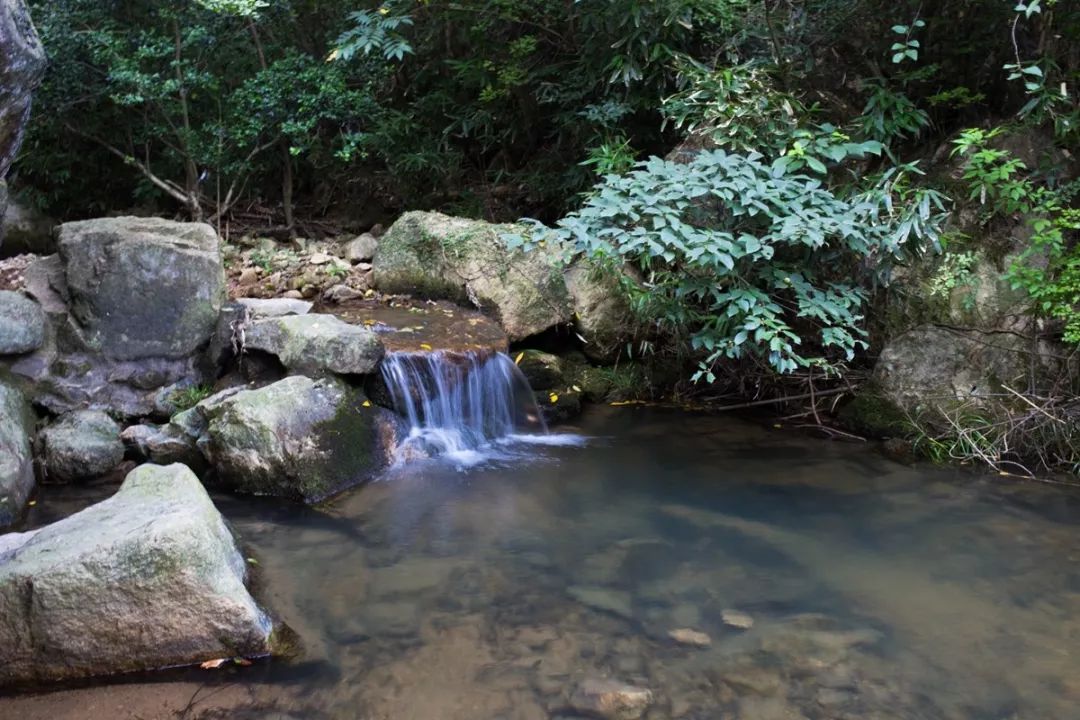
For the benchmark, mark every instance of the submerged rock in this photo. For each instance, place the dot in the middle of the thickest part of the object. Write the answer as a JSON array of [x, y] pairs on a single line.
[[143, 287], [22, 324], [689, 636], [737, 619], [603, 599], [149, 578], [316, 344], [81, 445], [16, 461], [298, 437], [611, 700]]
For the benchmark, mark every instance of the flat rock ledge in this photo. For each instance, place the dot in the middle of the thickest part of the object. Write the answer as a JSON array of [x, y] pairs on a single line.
[[150, 578]]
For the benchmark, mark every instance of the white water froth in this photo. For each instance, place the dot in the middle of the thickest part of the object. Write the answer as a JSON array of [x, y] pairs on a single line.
[[466, 408]]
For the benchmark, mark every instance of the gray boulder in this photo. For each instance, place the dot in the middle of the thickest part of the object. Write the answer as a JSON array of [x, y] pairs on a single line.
[[149, 578], [361, 248], [16, 461], [22, 324], [163, 445], [81, 445], [298, 437], [602, 315], [316, 344], [467, 261], [143, 287], [931, 369]]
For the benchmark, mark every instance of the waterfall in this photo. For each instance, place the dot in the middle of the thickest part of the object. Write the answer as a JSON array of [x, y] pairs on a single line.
[[459, 403]]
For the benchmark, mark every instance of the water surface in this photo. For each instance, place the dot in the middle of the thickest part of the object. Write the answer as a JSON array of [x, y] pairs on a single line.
[[875, 590]]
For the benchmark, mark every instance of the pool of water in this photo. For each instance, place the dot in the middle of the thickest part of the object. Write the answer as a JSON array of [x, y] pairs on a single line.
[[832, 584]]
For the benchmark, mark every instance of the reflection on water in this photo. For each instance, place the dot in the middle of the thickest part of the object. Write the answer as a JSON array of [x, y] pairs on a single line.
[[831, 583]]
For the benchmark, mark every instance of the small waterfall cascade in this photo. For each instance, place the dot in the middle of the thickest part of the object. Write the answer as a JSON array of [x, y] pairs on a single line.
[[458, 403]]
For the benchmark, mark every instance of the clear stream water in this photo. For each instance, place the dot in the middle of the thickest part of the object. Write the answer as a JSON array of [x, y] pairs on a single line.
[[876, 591]]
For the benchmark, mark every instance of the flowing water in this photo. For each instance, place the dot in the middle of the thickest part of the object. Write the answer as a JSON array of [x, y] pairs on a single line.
[[833, 584], [461, 406]]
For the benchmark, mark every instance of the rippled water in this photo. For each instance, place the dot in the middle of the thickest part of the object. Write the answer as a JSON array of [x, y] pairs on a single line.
[[875, 590]]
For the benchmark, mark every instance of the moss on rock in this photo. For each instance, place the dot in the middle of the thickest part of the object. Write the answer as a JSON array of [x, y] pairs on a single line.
[[872, 414]]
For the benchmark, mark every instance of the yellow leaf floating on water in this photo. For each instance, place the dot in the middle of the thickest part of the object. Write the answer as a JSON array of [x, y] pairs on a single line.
[[517, 360], [213, 664], [425, 346], [554, 398], [367, 403], [575, 388]]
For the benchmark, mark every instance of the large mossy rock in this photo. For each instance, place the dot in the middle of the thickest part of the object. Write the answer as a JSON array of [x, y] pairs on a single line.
[[149, 578], [932, 369], [316, 344], [16, 461], [300, 438], [22, 324], [467, 261], [81, 445], [143, 287], [437, 256], [130, 304], [602, 315]]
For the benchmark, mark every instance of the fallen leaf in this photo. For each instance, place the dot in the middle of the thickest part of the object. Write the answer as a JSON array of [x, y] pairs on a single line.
[[517, 360], [252, 561], [575, 388], [213, 664], [554, 398], [425, 346], [243, 662], [367, 403], [32, 503]]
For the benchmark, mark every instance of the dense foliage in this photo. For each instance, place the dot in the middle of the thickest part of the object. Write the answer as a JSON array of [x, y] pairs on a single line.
[[823, 121]]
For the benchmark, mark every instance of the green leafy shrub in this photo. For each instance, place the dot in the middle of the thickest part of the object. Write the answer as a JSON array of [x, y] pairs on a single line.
[[748, 259]]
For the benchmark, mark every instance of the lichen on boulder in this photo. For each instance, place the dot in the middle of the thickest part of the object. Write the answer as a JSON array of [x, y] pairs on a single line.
[[300, 438], [143, 287], [316, 344], [81, 445], [22, 324], [16, 461], [150, 578], [467, 261]]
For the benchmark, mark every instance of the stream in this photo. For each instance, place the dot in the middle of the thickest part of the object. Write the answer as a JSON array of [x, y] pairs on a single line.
[[832, 584]]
